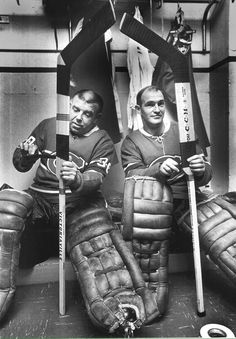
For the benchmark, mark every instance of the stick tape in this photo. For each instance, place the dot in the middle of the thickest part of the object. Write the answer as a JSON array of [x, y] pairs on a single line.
[[215, 330]]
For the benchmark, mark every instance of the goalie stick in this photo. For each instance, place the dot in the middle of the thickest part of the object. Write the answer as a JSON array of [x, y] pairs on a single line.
[[178, 62], [96, 26]]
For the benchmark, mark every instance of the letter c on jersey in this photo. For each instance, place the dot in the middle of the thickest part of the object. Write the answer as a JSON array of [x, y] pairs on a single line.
[[78, 161]]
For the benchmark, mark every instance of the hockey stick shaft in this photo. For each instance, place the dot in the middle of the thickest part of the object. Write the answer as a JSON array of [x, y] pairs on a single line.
[[188, 148], [143, 35], [62, 252], [196, 245], [62, 144]]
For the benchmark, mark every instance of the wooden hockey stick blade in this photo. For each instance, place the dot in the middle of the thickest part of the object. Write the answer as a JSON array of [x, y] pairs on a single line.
[[103, 19], [152, 41]]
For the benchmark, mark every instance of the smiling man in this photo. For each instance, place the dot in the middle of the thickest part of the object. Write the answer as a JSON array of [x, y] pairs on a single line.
[[155, 188], [154, 149]]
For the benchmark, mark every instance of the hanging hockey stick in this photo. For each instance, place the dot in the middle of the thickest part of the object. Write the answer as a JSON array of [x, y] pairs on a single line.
[[177, 61], [97, 25]]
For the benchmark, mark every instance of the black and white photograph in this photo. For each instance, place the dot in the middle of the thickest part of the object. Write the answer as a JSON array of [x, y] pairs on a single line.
[[117, 169]]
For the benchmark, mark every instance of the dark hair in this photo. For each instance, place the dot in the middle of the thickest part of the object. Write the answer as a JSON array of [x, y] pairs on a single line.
[[92, 98], [149, 88]]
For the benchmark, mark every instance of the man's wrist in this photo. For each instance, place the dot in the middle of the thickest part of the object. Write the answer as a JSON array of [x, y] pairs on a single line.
[[78, 183]]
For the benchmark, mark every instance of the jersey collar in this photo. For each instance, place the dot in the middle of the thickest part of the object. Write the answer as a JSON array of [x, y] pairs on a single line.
[[166, 128], [94, 129]]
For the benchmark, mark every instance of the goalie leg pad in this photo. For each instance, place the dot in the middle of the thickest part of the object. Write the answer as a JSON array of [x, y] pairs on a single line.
[[147, 221], [14, 209], [217, 231], [110, 279]]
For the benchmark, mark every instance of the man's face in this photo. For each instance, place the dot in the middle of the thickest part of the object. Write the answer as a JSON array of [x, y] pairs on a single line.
[[152, 108], [83, 116]]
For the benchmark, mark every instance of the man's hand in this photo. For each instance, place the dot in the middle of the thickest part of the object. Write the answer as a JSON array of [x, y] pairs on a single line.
[[169, 167], [71, 175], [28, 150], [197, 164]]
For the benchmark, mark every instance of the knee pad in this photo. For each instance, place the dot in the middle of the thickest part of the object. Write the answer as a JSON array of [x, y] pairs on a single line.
[[147, 221], [217, 230], [110, 279], [14, 209]]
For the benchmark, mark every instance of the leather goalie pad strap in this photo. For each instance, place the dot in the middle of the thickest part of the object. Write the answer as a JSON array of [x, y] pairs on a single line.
[[109, 276], [217, 230], [147, 222], [14, 208]]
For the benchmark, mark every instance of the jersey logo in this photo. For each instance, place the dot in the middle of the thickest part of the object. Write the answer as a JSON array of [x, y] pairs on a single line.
[[175, 177], [78, 161]]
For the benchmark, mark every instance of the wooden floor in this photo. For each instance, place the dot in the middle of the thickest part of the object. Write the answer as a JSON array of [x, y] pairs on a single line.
[[34, 313]]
